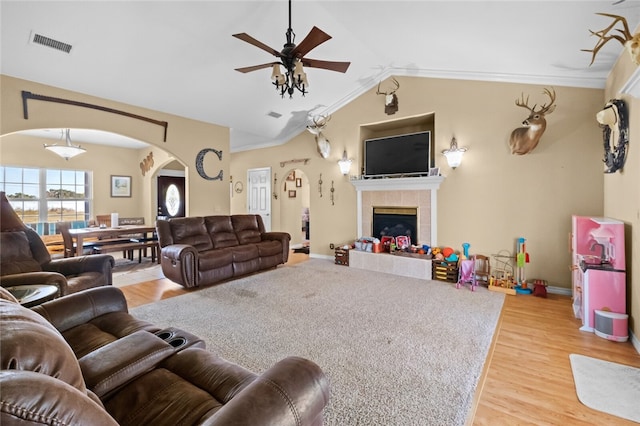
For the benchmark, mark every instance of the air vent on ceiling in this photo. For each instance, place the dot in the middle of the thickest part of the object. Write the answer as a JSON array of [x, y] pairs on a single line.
[[49, 42], [274, 114]]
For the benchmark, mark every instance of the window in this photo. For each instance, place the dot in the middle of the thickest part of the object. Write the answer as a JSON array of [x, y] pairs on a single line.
[[47, 195]]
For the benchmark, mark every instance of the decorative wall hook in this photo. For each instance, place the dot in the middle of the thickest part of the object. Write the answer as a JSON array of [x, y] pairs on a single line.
[[320, 185], [275, 186], [332, 191]]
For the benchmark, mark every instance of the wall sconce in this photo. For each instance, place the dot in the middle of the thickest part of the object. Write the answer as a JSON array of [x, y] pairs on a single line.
[[344, 163], [454, 154]]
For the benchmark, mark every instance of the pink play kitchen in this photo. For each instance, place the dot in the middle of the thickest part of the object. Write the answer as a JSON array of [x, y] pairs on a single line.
[[598, 276]]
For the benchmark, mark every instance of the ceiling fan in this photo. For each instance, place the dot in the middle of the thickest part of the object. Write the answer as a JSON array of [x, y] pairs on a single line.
[[292, 57]]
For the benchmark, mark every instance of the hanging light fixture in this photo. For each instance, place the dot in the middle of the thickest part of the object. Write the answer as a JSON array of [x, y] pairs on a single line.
[[66, 151], [344, 163], [454, 154]]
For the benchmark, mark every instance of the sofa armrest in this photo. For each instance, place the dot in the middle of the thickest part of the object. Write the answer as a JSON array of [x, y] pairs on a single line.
[[30, 278], [284, 239], [113, 365], [80, 308], [180, 264], [33, 398], [102, 263], [292, 392]]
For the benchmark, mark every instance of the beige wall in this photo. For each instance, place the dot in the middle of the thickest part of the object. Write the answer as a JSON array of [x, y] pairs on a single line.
[[621, 189], [185, 138], [493, 197], [489, 201]]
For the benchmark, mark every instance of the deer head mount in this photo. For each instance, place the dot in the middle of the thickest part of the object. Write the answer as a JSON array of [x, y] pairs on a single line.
[[624, 36], [322, 143], [524, 139], [390, 98]]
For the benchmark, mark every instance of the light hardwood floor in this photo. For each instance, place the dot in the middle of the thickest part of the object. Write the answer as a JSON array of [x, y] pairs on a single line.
[[527, 379]]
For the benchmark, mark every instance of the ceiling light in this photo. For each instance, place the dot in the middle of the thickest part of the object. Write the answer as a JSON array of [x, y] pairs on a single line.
[[66, 151], [454, 154]]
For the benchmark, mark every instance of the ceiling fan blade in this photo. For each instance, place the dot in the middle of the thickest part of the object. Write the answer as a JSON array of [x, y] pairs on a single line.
[[315, 38], [256, 67], [327, 65], [246, 37]]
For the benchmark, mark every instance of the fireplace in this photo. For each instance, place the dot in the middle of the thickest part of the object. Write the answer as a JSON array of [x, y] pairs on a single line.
[[396, 221], [417, 193]]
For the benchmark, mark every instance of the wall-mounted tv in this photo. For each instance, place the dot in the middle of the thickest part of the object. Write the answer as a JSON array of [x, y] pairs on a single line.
[[402, 155]]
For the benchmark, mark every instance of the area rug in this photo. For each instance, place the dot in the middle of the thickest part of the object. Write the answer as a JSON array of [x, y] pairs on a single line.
[[606, 386], [396, 350]]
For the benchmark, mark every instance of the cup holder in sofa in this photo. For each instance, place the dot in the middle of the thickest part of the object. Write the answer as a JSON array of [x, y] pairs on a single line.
[[179, 339]]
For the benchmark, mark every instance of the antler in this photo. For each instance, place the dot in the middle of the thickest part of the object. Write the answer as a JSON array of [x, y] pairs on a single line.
[[319, 123], [605, 37], [544, 108], [395, 82]]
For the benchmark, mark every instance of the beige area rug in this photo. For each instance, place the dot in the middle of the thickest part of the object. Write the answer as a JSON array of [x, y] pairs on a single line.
[[606, 386], [396, 350]]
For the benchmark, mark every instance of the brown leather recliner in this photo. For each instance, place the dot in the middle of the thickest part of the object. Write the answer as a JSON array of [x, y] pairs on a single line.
[[24, 259], [134, 375]]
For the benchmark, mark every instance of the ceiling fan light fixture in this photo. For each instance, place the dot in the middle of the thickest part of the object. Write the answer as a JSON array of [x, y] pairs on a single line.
[[276, 73], [292, 57]]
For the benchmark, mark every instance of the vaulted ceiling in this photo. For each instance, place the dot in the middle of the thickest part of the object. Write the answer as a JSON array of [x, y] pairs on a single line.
[[179, 56]]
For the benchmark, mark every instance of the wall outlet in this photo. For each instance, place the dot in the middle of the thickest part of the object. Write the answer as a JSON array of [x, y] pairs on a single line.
[[332, 246]]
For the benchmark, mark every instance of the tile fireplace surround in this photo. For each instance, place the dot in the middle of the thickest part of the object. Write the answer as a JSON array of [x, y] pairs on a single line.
[[420, 192]]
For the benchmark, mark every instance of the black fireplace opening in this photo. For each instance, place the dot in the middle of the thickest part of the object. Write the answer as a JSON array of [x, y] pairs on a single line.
[[394, 222]]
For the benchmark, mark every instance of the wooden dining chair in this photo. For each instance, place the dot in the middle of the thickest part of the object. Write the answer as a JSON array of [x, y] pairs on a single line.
[[70, 247], [103, 219]]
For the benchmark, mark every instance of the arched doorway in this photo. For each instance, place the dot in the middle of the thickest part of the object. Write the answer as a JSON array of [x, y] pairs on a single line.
[[295, 209]]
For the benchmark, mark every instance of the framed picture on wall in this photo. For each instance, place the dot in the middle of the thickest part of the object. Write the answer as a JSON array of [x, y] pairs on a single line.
[[120, 186], [292, 175], [298, 182], [292, 193]]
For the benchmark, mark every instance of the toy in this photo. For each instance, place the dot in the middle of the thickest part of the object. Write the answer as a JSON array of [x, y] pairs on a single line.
[[465, 250], [466, 273], [522, 257], [540, 288], [447, 251]]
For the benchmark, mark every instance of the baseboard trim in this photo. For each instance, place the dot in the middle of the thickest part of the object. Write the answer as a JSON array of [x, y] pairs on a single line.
[[559, 290]]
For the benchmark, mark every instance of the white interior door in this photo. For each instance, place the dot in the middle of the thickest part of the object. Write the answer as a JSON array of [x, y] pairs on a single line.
[[259, 194]]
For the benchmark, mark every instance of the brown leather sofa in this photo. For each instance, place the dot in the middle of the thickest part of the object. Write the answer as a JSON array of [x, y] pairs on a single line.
[[199, 251], [83, 359], [24, 259]]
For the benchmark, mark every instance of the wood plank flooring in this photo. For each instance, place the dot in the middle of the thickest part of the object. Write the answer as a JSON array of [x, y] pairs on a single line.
[[527, 379]]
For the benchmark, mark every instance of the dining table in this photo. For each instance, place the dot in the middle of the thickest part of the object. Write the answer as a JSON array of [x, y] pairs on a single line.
[[110, 232]]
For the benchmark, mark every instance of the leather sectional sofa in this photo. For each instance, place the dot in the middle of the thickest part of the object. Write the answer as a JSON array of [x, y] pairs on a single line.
[[199, 251], [83, 359]]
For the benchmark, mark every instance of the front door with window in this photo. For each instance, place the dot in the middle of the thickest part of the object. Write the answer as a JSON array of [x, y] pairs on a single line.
[[171, 196]]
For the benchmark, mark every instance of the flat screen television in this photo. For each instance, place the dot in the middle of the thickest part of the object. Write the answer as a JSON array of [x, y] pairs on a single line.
[[402, 155]]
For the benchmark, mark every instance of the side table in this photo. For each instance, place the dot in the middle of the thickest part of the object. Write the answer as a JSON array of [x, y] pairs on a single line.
[[32, 295]]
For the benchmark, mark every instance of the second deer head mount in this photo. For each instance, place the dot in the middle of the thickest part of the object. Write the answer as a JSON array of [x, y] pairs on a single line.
[[524, 139], [390, 98], [319, 124]]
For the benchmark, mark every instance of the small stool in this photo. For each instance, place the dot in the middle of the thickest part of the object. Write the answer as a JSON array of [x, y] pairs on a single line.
[[540, 288]]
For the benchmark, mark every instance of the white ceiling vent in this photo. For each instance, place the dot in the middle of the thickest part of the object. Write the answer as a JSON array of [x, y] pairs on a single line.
[[49, 42]]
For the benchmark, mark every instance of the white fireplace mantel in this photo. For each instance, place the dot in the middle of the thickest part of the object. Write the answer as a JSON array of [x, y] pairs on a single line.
[[431, 184], [394, 184]]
